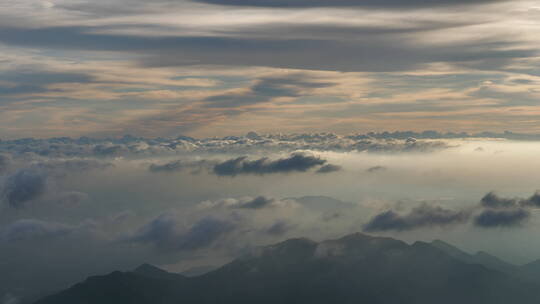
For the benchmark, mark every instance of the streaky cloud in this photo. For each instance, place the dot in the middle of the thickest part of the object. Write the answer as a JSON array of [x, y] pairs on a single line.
[[33, 229], [397, 4]]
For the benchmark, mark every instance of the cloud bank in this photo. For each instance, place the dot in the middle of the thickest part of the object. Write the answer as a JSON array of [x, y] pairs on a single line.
[[495, 212], [393, 4], [419, 217], [298, 162]]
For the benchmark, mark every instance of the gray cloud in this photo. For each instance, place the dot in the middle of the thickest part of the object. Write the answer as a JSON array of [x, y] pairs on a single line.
[[385, 53], [400, 4], [376, 169], [524, 97], [179, 165], [40, 77], [329, 169], [108, 150], [267, 88], [72, 165], [204, 233], [297, 162], [505, 212], [495, 212], [160, 232], [168, 167], [313, 31], [532, 201], [257, 203], [109, 8], [76, 153], [24, 186], [501, 218], [419, 217], [35, 81], [280, 227], [31, 229], [163, 233], [70, 198], [5, 162], [22, 89], [492, 200]]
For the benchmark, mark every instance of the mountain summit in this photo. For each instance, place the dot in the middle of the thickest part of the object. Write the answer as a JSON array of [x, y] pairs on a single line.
[[357, 268]]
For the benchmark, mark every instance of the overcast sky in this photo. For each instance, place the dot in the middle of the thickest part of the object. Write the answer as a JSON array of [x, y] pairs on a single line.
[[213, 67]]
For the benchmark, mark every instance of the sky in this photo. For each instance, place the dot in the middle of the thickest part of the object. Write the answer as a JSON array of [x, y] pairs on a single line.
[[214, 68], [252, 122]]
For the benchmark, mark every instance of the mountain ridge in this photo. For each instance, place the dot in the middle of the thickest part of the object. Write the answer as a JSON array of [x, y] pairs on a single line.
[[356, 268]]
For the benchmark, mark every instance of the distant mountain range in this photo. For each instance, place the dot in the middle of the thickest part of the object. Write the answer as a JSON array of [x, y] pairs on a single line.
[[357, 268]]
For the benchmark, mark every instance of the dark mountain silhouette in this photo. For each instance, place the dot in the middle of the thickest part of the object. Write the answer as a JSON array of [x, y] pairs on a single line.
[[493, 262], [151, 271], [354, 269], [197, 271], [531, 271], [481, 257]]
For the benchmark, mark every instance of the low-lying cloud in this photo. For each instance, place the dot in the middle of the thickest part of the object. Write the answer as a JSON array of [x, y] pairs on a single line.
[[501, 218], [419, 217], [5, 162], [492, 200], [24, 186], [75, 153], [505, 212], [494, 211], [180, 165], [165, 233], [31, 229], [329, 169], [376, 169], [258, 202], [298, 162]]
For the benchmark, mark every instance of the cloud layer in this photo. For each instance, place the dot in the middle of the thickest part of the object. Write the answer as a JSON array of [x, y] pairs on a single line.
[[129, 146], [24, 186], [297, 162], [81, 68], [400, 4], [419, 217], [495, 212]]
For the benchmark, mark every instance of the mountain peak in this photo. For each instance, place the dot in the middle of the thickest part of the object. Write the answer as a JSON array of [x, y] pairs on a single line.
[[291, 246], [357, 236], [363, 239], [151, 271], [444, 245], [146, 268], [453, 251], [481, 257]]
